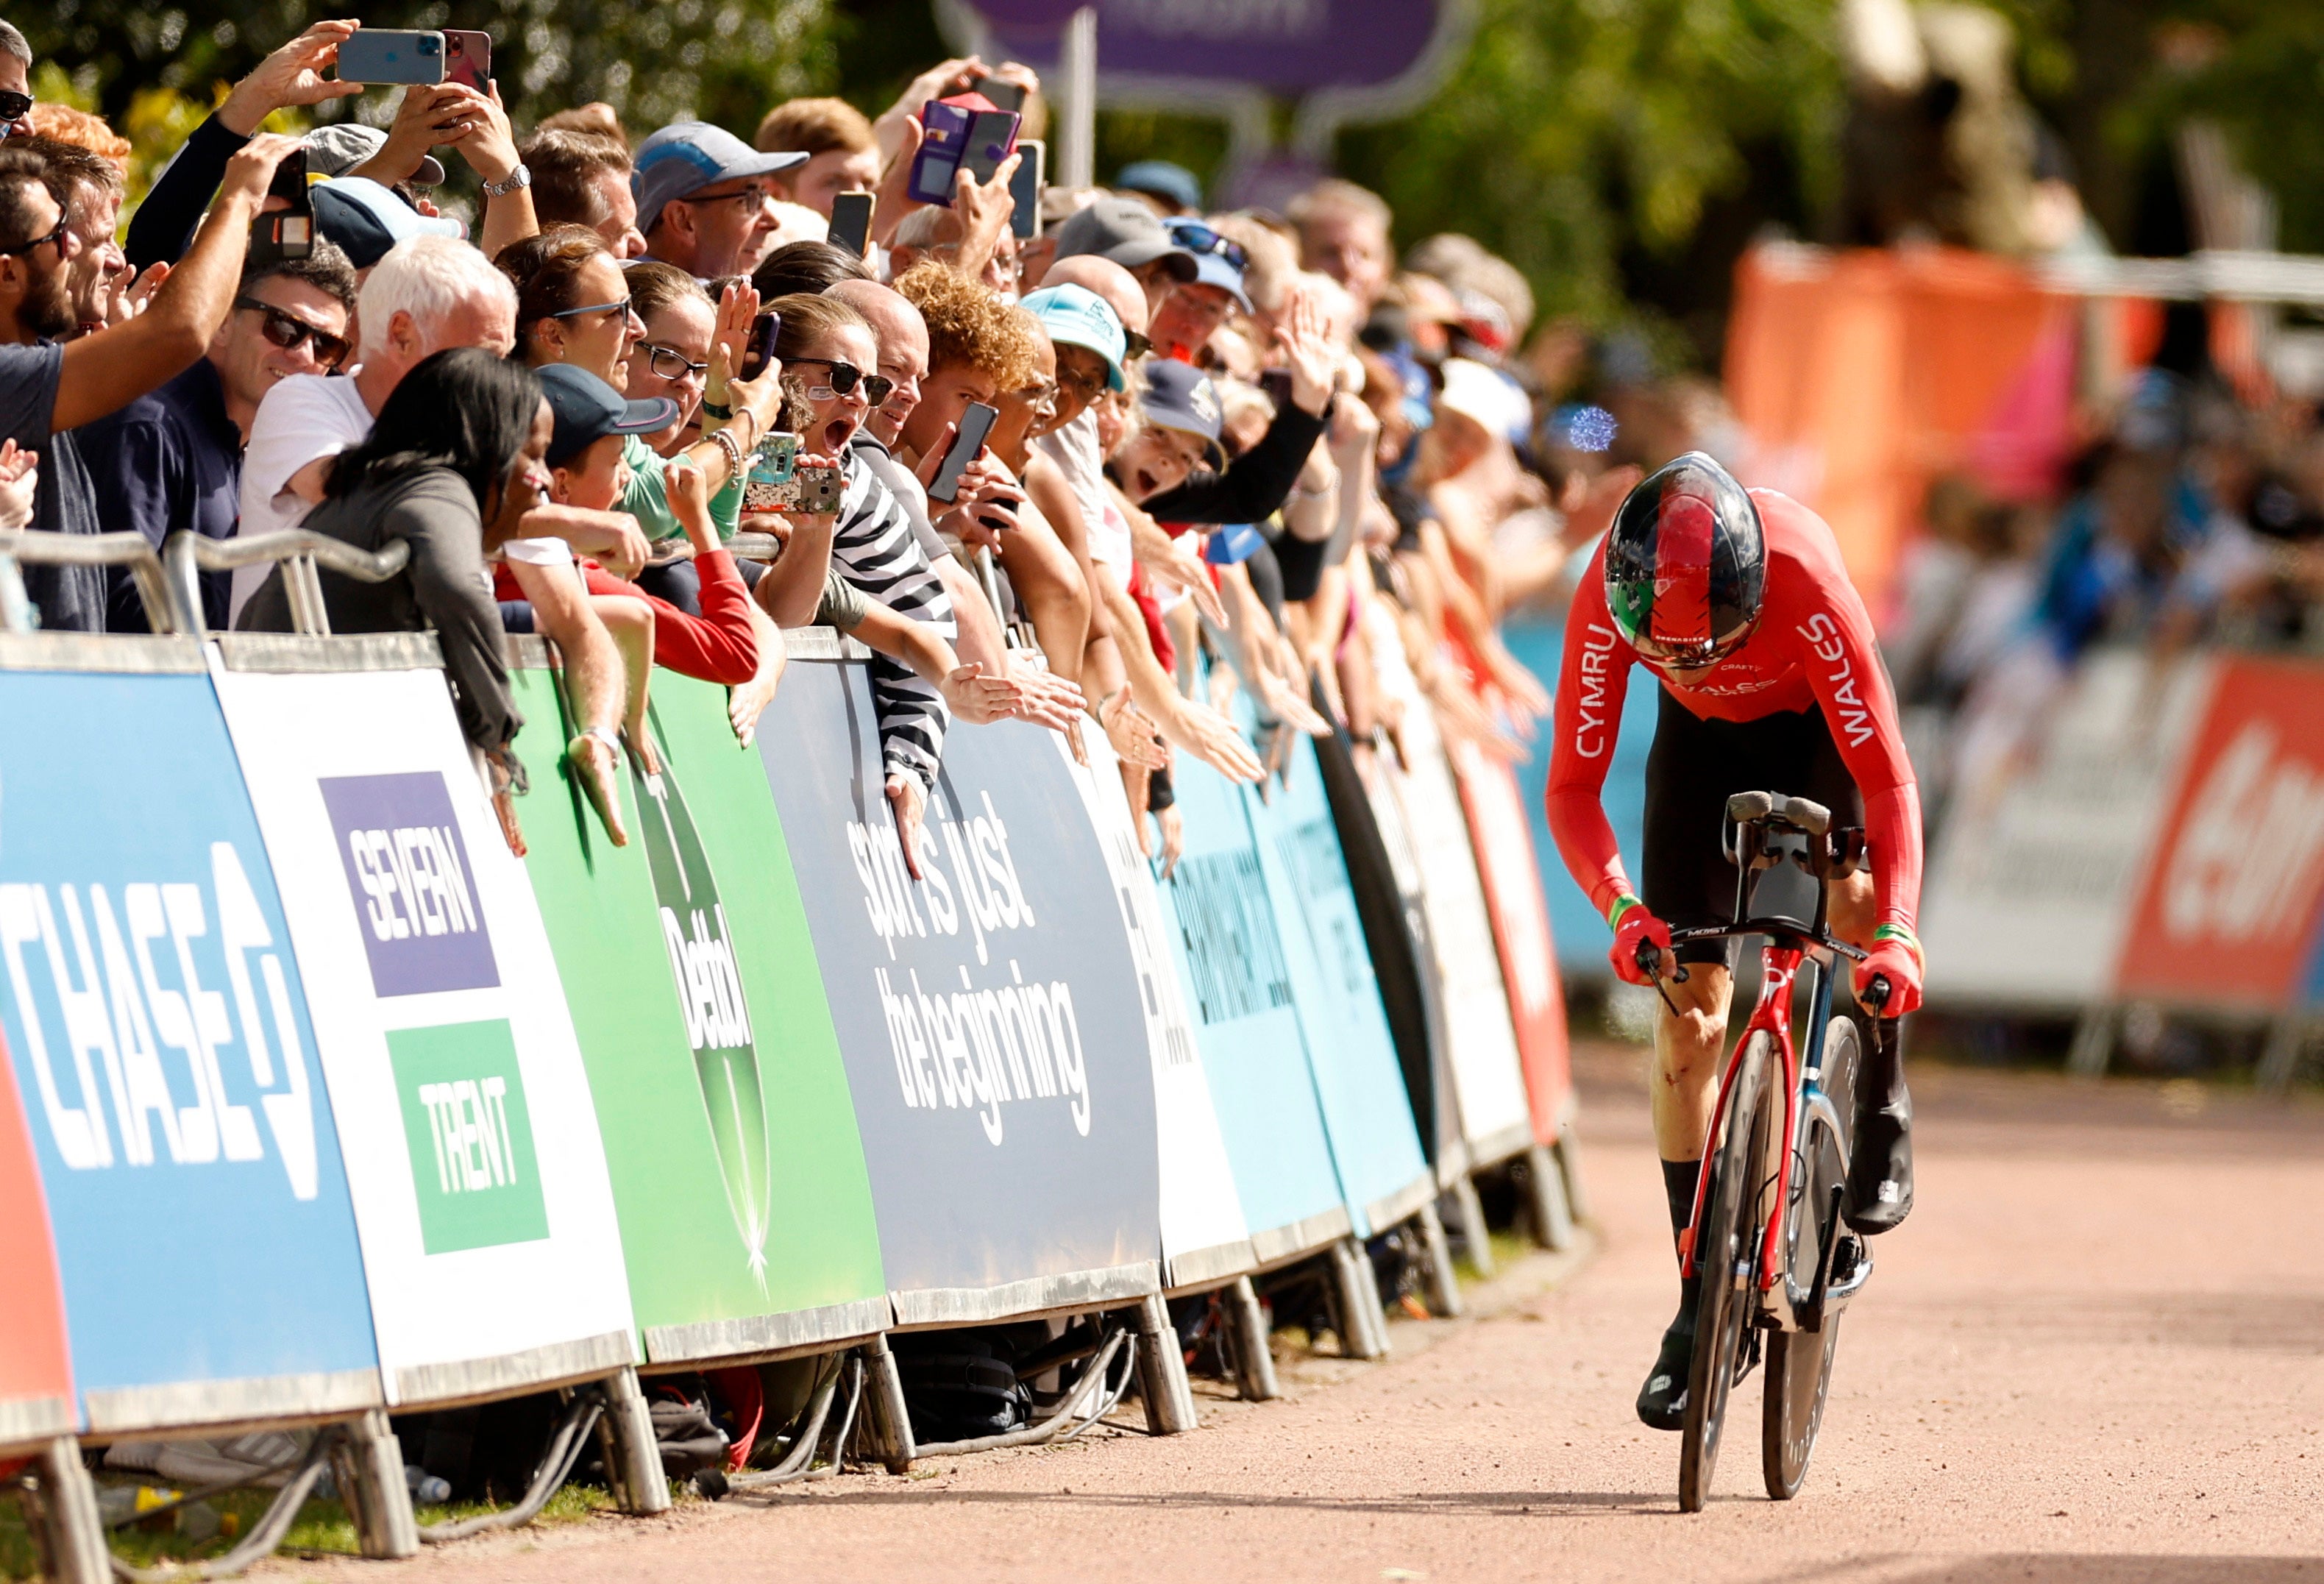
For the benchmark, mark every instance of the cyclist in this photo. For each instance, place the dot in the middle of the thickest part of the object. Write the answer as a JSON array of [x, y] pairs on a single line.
[[1736, 602]]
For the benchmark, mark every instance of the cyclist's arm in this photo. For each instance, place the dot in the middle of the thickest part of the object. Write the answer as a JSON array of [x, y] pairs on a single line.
[[1842, 661], [1585, 721]]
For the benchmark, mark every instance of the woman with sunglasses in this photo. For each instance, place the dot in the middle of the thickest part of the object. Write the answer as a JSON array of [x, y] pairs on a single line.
[[574, 306]]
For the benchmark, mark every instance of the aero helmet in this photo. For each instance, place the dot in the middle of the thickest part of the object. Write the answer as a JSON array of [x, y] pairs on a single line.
[[1686, 564]]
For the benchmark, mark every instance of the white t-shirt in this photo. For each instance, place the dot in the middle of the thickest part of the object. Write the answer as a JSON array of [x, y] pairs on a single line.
[[304, 417], [1074, 448], [548, 551], [1109, 543]]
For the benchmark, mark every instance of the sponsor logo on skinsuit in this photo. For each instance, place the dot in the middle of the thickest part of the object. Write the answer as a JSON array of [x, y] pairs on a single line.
[[146, 1010], [423, 928], [465, 1122]]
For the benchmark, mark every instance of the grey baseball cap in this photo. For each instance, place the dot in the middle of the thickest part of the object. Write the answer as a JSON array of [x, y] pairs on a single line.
[[338, 148], [1125, 230], [686, 156]]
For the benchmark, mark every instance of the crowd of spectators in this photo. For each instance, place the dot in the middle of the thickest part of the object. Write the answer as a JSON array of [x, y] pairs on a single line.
[[1229, 451]]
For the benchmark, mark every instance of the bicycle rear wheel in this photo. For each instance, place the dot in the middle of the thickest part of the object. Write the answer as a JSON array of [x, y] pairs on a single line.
[[1723, 1255], [1799, 1363]]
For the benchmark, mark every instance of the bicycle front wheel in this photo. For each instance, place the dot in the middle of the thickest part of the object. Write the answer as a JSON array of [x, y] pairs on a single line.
[[1724, 1256]]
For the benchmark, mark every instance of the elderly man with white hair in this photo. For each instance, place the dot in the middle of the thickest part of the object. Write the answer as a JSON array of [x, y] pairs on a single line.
[[426, 295]]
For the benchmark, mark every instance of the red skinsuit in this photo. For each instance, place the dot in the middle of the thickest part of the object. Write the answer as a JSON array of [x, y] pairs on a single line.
[[1813, 646]]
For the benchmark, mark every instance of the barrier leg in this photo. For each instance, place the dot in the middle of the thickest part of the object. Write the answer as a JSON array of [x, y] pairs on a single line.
[[1471, 1216], [892, 1421], [2093, 1046], [378, 1499], [1545, 1203], [2280, 1061], [1254, 1357], [1444, 1286], [1363, 1324], [1162, 1370], [72, 1535], [632, 1461], [1568, 1151]]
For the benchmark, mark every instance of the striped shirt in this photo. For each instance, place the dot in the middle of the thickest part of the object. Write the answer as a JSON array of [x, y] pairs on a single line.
[[875, 548]]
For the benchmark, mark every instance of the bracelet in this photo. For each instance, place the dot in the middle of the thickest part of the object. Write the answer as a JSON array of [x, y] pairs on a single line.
[[718, 410], [1621, 906], [756, 433], [726, 443], [1897, 931]]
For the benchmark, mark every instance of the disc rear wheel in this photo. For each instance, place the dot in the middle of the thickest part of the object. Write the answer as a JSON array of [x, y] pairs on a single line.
[[1799, 1363], [1724, 1256]]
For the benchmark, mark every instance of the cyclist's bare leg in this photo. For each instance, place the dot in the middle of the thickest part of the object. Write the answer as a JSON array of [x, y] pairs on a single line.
[[1688, 1046], [1853, 908]]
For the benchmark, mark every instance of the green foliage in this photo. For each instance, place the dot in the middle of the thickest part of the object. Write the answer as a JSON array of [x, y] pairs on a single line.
[[1581, 131], [2265, 86], [726, 59]]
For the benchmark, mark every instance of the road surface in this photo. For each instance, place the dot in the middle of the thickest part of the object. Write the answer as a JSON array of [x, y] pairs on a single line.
[[2095, 1352]]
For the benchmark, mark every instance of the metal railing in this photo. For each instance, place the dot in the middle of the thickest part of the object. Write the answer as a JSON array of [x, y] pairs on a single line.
[[301, 552], [32, 547]]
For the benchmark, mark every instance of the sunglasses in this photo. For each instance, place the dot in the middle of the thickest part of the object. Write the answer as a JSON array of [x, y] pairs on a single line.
[[290, 334], [670, 364], [1196, 238], [13, 106], [622, 306], [58, 237], [845, 377]]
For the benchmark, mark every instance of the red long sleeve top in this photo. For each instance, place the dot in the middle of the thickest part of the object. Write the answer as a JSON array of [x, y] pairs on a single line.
[[718, 646], [1813, 648]]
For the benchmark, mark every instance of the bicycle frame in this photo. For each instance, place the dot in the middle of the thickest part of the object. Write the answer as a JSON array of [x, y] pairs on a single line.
[[1788, 948]]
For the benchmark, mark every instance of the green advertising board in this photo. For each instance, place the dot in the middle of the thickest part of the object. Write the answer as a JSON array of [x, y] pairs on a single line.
[[730, 1135]]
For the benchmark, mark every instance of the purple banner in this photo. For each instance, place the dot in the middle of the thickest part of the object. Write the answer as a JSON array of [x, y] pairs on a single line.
[[1282, 46], [408, 875]]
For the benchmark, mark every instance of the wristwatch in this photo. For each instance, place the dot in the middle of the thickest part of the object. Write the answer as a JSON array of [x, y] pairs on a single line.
[[518, 178]]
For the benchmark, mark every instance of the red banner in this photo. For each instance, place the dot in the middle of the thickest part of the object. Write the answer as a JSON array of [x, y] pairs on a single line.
[[2230, 908], [36, 1393]]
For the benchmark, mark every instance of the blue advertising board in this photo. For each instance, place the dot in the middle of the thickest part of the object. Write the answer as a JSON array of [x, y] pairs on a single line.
[[1579, 933], [1232, 962], [989, 1013], [1383, 1173], [158, 1027]]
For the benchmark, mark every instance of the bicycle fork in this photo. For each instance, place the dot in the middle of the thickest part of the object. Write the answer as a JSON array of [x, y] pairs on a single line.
[[1779, 967]]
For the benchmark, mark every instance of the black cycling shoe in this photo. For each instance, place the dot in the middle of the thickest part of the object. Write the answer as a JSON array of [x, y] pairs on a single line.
[[1662, 1401], [1880, 1169]]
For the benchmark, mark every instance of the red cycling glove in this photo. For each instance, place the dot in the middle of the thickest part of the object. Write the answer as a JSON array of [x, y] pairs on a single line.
[[1896, 958], [1633, 925]]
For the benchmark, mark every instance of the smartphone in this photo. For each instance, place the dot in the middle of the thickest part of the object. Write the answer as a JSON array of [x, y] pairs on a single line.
[[944, 138], [385, 55], [763, 331], [774, 457], [991, 138], [1025, 187], [975, 423], [282, 234], [850, 222], [1005, 95], [1277, 383], [468, 58], [810, 491]]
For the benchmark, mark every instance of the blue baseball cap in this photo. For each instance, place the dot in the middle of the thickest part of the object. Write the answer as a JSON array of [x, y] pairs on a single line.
[[366, 220], [1219, 260], [1180, 396], [1163, 180], [1075, 316], [686, 156], [587, 410]]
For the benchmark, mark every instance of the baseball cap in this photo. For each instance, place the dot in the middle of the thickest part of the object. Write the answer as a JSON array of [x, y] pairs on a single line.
[[338, 148], [587, 410], [1125, 230], [1075, 316], [1180, 396], [366, 219], [686, 156], [1163, 180], [1219, 259], [1487, 397]]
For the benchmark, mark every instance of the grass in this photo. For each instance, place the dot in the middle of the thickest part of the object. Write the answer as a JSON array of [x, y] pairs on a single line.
[[323, 1528]]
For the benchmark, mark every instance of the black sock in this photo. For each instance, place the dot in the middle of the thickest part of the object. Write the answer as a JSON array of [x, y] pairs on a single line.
[[1678, 1184]]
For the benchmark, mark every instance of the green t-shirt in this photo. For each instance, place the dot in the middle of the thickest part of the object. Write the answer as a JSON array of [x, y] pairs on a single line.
[[648, 500]]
